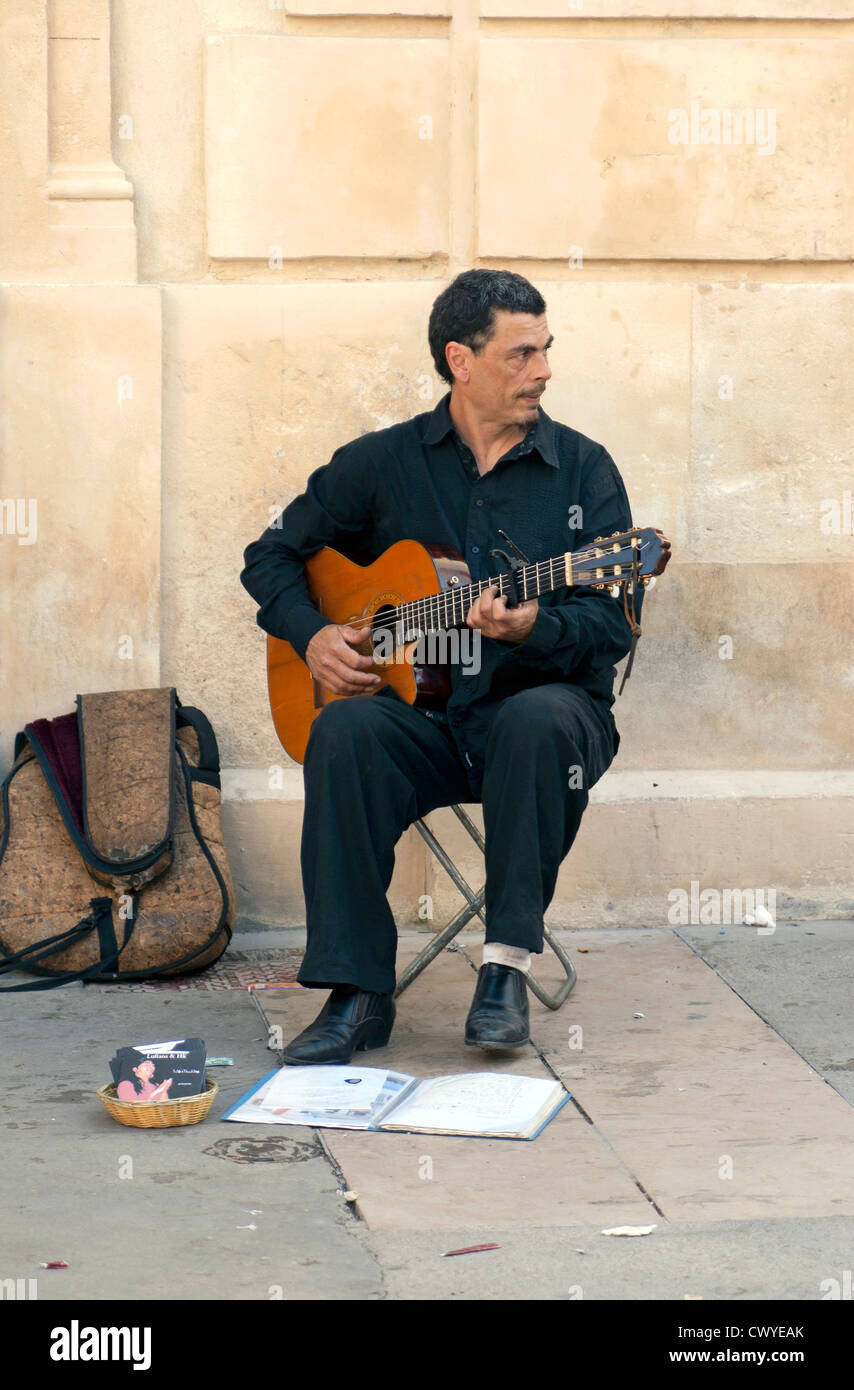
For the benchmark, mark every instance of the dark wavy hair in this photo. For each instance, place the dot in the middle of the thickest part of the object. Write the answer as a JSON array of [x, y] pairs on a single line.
[[465, 311]]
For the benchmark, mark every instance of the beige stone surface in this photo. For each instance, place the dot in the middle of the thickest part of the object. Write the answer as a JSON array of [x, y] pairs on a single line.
[[345, 7], [23, 140], [621, 364], [157, 79], [90, 211], [602, 173], [80, 606], [699, 1079], [773, 424], [262, 385], [293, 171], [630, 855], [673, 9], [778, 701], [79, 69]]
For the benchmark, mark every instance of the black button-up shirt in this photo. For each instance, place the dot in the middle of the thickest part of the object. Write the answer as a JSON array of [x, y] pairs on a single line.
[[555, 491]]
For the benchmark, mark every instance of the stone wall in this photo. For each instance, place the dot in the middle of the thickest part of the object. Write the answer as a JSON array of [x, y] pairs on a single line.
[[222, 225]]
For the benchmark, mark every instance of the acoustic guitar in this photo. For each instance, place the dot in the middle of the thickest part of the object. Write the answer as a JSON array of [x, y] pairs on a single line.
[[416, 597]]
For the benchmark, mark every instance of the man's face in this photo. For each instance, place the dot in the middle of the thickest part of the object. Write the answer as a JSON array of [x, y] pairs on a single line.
[[509, 375]]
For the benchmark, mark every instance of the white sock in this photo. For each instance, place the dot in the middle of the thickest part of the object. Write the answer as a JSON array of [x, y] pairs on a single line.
[[496, 953]]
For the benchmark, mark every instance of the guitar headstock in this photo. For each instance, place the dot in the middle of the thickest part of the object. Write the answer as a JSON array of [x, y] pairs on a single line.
[[611, 562]]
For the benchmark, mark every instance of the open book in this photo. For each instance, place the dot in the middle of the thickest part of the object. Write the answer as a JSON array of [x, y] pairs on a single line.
[[491, 1105]]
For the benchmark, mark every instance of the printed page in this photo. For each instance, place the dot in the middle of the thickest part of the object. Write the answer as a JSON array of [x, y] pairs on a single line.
[[264, 1106], [325, 1088], [476, 1102]]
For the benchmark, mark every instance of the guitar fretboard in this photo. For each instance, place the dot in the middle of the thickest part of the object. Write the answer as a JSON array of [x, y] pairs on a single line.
[[448, 609], [596, 564]]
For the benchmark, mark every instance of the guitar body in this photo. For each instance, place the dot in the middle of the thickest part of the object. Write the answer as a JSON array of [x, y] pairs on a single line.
[[345, 592]]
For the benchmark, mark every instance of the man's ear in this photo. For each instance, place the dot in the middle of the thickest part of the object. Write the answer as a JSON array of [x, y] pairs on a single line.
[[458, 358]]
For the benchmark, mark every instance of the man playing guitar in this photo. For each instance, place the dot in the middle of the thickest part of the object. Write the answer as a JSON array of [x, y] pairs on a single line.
[[527, 731]]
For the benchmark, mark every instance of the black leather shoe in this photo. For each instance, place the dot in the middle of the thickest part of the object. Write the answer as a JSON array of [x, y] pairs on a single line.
[[350, 1021], [498, 1017]]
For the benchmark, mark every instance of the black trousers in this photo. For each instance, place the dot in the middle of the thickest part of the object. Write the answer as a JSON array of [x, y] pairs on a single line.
[[374, 765]]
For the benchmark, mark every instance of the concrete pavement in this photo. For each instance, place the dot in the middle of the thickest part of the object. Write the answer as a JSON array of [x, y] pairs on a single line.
[[709, 1117]]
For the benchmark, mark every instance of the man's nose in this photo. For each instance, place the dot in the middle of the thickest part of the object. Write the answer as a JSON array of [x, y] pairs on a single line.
[[542, 370]]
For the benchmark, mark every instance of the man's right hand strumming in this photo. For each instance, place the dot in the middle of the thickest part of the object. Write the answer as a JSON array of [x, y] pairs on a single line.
[[338, 658]]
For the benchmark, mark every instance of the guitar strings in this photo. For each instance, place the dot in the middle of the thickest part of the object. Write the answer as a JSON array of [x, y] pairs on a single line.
[[424, 612]]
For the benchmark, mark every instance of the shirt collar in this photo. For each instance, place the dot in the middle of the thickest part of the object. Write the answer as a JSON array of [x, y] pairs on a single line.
[[441, 424]]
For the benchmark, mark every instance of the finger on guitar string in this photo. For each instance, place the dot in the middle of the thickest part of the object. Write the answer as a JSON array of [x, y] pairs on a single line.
[[333, 661], [359, 637], [484, 607], [490, 614]]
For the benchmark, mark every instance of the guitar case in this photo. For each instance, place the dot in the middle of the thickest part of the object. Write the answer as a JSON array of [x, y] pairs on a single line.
[[112, 862]]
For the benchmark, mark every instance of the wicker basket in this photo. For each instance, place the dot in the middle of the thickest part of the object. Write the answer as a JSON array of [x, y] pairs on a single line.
[[158, 1114]]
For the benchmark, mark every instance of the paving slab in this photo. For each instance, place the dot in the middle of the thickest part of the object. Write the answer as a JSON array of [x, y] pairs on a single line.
[[159, 1214], [417, 1181], [712, 1261], [707, 1106], [698, 1105], [799, 979]]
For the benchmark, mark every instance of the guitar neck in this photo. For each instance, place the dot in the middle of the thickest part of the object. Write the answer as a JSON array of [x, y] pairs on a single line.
[[611, 561], [448, 609]]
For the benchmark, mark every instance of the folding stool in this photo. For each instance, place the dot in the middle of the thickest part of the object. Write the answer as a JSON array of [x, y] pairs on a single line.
[[474, 901]]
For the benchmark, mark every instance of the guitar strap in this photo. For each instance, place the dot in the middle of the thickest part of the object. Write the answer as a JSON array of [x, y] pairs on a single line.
[[629, 593]]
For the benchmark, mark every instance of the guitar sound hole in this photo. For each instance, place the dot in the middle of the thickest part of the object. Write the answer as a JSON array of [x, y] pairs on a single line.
[[382, 631], [386, 633]]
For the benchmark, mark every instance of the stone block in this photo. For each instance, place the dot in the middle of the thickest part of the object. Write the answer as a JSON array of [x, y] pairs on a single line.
[[80, 602], [262, 385], [326, 147], [772, 477], [742, 666], [621, 364], [23, 140], [599, 165]]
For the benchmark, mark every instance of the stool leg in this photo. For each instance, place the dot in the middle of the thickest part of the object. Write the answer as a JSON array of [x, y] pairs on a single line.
[[438, 944], [448, 864], [475, 902], [442, 939], [554, 1001]]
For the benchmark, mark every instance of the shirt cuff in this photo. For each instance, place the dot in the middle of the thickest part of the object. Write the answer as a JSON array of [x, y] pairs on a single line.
[[302, 622], [544, 635]]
